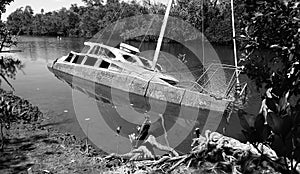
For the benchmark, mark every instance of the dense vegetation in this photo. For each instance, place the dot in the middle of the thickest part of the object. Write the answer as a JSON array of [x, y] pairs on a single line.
[[85, 21], [271, 57]]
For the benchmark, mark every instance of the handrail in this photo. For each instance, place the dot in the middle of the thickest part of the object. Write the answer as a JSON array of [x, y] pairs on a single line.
[[198, 85], [229, 88], [223, 66], [209, 67]]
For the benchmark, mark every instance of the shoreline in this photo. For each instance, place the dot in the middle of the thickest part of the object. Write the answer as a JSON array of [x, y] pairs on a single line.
[[151, 40], [40, 148]]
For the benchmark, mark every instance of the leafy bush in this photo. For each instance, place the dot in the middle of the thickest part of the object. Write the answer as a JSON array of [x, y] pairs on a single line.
[[273, 27], [15, 110]]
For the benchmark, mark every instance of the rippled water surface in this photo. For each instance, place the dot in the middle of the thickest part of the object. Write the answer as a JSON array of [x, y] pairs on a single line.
[[66, 106]]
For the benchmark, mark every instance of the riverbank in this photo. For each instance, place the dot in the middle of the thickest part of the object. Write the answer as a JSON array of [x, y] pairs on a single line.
[[39, 148]]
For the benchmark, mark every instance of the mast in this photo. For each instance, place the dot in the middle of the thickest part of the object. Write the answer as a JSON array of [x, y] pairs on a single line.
[[161, 35], [234, 47]]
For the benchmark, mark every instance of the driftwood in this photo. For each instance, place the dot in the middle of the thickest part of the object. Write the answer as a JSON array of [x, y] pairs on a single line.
[[143, 145], [223, 152], [144, 151]]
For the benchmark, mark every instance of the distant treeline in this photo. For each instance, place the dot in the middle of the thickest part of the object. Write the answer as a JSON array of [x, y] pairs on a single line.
[[85, 21]]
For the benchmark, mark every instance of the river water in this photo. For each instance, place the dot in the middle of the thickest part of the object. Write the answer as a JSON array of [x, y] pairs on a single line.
[[58, 100]]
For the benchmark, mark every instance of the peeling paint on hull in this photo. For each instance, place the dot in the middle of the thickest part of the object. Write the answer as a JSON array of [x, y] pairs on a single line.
[[144, 86]]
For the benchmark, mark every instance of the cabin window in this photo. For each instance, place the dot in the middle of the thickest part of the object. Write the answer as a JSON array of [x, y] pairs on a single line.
[[107, 52], [93, 50], [115, 67], [104, 64], [86, 49], [145, 62], [69, 58], [158, 67], [129, 58], [171, 82], [90, 61], [78, 59]]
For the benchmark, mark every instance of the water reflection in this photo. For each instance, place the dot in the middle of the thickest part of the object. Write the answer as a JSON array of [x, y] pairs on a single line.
[[172, 124], [46, 48]]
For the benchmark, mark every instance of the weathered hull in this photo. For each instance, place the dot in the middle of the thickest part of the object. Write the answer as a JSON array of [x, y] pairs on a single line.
[[142, 84]]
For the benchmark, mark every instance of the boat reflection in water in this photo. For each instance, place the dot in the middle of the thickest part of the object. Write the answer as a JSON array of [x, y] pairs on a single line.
[[172, 124]]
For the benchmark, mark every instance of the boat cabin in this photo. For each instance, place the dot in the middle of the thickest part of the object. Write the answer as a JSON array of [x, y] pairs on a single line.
[[101, 56], [122, 55]]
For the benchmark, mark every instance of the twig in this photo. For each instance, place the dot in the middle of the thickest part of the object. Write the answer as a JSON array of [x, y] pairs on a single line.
[[177, 158], [189, 163], [162, 160], [295, 167], [286, 163], [178, 163]]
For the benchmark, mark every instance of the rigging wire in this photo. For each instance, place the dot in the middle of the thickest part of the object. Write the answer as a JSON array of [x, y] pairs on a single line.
[[146, 32], [203, 54], [116, 23]]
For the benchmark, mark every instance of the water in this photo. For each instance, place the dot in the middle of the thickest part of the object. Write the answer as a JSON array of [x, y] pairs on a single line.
[[39, 85], [75, 111]]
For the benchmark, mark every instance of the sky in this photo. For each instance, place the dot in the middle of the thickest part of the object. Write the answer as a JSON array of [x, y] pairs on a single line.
[[37, 5], [47, 5]]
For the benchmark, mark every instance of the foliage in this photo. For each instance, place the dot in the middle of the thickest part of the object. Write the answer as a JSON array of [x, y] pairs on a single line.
[[8, 65], [274, 26], [15, 110], [86, 21], [3, 3], [8, 68]]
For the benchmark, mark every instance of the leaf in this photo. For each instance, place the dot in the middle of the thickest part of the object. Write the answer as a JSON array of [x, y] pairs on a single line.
[[259, 122], [296, 19], [265, 133], [283, 146], [260, 2], [243, 121], [297, 117], [283, 102], [257, 14], [297, 154], [251, 136], [275, 46], [287, 125], [23, 114], [280, 126], [291, 57], [271, 104]]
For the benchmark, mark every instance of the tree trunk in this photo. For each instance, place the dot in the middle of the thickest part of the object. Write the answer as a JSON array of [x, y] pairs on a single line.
[[2, 136], [2, 44]]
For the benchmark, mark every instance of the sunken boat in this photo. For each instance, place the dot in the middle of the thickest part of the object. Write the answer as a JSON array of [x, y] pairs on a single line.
[[120, 69]]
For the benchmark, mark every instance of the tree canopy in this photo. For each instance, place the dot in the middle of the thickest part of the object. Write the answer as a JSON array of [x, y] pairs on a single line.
[[85, 21]]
